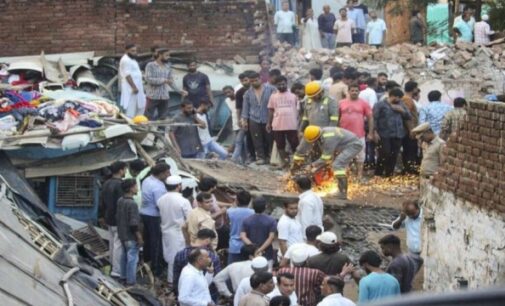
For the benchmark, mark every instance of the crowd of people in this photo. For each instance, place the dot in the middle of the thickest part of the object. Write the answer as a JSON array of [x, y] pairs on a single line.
[[467, 29], [355, 23], [217, 252], [349, 117], [293, 260]]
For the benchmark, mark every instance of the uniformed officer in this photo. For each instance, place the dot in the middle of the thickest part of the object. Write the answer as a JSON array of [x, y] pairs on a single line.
[[432, 150], [332, 140], [320, 110]]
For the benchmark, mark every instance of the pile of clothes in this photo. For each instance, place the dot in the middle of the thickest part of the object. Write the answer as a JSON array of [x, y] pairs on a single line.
[[21, 111]]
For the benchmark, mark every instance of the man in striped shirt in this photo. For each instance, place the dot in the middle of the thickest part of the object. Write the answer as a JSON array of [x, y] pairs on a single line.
[[307, 280], [158, 78]]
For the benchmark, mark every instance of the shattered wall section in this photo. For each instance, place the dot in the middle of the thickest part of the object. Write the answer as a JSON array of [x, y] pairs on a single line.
[[217, 29], [474, 169], [464, 234], [464, 244]]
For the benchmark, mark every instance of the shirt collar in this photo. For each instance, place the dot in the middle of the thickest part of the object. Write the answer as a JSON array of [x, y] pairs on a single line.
[[195, 269], [258, 293], [418, 215], [305, 193], [334, 295]]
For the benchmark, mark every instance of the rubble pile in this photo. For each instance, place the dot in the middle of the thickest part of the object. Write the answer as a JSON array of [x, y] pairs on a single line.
[[464, 62]]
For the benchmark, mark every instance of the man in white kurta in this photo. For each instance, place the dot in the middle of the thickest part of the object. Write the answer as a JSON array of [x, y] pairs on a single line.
[[133, 98], [311, 37], [310, 205], [174, 210], [194, 283], [235, 272]]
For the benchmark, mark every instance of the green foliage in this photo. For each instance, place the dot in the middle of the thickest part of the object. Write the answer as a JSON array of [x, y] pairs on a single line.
[[497, 14]]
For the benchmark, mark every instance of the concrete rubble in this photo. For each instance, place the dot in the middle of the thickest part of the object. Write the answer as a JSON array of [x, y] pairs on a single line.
[[467, 67]]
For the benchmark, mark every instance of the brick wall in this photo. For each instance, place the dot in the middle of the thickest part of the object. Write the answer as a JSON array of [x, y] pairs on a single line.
[[475, 167], [213, 29]]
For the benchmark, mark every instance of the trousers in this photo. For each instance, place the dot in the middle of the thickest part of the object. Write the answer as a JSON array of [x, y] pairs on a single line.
[[129, 261], [287, 37], [328, 40], [359, 36], [409, 155], [388, 150], [156, 109], [262, 140], [115, 251], [280, 138], [152, 242], [240, 147], [213, 147], [346, 156]]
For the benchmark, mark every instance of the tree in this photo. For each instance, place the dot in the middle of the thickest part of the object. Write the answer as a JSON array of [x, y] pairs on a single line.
[[496, 13]]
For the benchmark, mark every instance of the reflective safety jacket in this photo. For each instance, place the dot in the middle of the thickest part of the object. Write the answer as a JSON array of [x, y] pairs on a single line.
[[322, 113], [332, 141]]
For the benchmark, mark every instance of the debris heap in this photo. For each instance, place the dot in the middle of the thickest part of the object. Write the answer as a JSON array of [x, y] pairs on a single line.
[[477, 69]]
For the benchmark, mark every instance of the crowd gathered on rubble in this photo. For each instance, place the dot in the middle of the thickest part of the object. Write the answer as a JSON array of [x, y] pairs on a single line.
[[211, 252]]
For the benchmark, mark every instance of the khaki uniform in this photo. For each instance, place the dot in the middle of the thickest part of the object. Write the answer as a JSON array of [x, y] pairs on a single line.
[[333, 140], [199, 218], [432, 154], [452, 122], [322, 113]]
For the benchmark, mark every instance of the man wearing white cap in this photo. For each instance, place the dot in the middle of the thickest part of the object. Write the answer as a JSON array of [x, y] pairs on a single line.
[[330, 261], [235, 272], [307, 280], [174, 210], [482, 31], [258, 264]]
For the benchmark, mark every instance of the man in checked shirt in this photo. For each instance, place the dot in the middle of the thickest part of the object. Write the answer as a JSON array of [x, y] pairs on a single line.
[[158, 78]]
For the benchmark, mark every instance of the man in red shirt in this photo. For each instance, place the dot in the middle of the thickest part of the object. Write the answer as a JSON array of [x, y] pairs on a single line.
[[353, 112]]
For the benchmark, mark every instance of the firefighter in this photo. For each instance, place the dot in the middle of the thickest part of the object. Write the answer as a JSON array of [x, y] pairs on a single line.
[[332, 140], [319, 110]]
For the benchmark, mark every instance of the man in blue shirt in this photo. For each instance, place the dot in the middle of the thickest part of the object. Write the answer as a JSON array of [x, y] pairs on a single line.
[[326, 21], [359, 14], [465, 27], [255, 117], [377, 284], [411, 218], [153, 187], [260, 229], [434, 112], [236, 216]]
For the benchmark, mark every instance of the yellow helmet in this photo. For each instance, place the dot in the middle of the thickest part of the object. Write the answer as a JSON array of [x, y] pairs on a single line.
[[312, 88], [140, 119], [312, 133]]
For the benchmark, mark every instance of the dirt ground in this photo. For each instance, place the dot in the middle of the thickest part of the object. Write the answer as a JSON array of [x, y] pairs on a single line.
[[379, 192]]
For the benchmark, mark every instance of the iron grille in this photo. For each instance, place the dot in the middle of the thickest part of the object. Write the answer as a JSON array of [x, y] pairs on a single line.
[[74, 191]]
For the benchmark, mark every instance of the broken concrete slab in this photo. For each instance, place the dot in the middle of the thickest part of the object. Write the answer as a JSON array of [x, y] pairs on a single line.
[[239, 59]]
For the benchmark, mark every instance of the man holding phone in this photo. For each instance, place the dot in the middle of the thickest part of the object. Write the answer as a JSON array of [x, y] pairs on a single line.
[[185, 138]]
